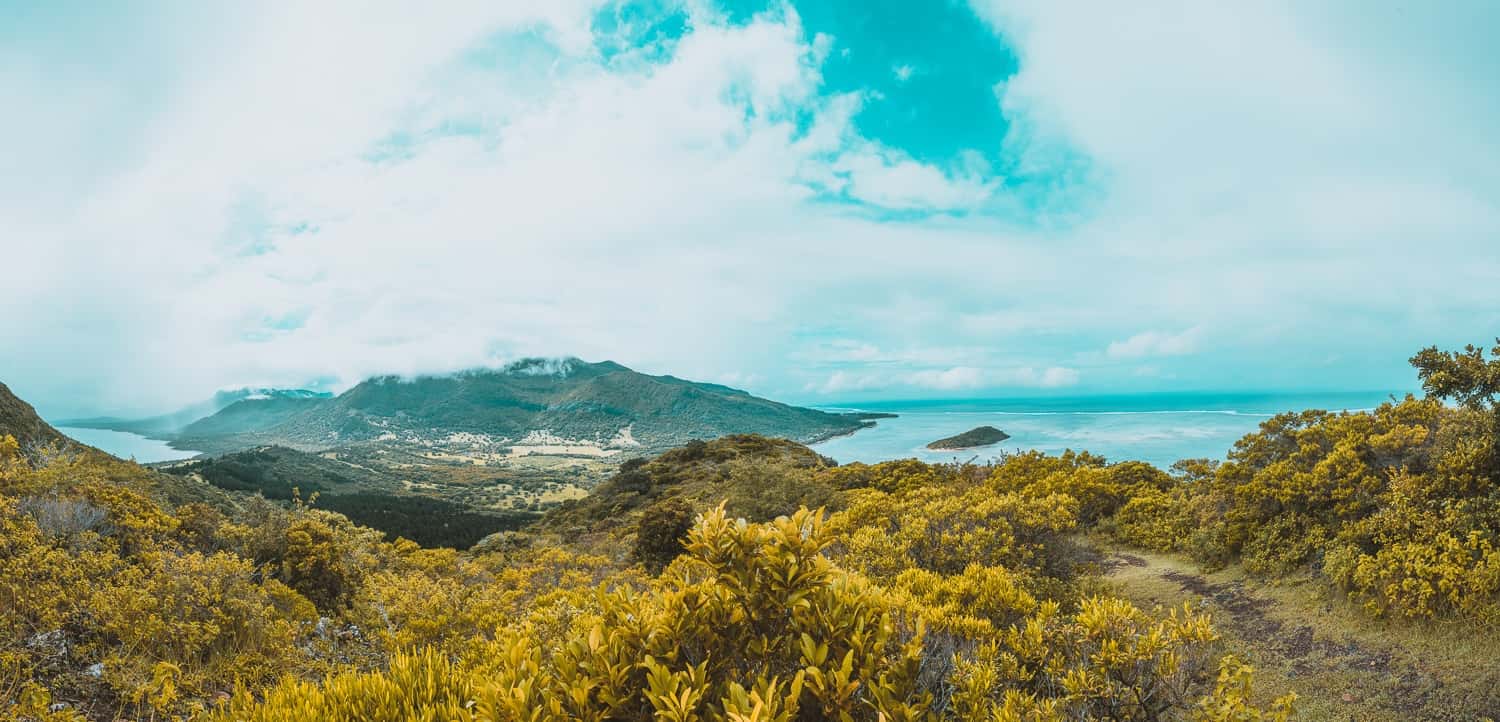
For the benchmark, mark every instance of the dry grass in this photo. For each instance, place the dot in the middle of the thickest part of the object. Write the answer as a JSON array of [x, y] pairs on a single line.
[[1343, 664]]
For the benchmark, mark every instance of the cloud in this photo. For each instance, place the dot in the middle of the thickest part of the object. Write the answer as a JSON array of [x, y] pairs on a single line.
[[1052, 377], [951, 379], [1155, 343], [235, 195], [890, 179], [958, 377]]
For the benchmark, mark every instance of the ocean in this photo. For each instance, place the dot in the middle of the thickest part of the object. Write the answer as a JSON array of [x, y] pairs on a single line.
[[1157, 428]]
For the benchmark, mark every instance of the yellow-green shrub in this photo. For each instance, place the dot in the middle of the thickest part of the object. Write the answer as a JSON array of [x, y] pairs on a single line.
[[756, 623]]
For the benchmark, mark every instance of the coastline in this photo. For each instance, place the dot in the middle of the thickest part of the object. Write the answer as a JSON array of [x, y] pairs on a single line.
[[830, 436]]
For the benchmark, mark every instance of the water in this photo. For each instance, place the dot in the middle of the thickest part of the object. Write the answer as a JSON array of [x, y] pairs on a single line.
[[1157, 428], [127, 445]]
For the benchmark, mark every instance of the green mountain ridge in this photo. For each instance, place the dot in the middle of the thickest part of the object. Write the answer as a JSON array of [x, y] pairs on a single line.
[[602, 403]]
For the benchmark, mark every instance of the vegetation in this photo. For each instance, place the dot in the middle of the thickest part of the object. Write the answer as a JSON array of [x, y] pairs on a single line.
[[739, 579], [981, 436], [19, 420], [759, 478], [252, 414], [362, 493], [119, 605], [1398, 508], [477, 480], [424, 520]]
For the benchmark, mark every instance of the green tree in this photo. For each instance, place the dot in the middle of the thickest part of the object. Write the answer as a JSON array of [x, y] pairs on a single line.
[[1466, 376]]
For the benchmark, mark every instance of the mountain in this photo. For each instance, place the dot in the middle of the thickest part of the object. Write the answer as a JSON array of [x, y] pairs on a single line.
[[255, 413], [532, 402], [19, 419], [168, 426]]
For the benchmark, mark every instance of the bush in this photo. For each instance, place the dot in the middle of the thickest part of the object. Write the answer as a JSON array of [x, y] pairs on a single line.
[[64, 518], [754, 622], [660, 536]]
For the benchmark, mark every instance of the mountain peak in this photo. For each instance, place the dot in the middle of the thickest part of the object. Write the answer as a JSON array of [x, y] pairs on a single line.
[[559, 367]]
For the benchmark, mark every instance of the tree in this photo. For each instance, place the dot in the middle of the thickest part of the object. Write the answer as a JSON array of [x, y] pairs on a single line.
[[1466, 376]]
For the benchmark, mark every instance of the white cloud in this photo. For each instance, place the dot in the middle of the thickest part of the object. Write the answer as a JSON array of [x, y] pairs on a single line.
[[958, 377], [1057, 377], [950, 379], [422, 210], [893, 180], [1155, 343]]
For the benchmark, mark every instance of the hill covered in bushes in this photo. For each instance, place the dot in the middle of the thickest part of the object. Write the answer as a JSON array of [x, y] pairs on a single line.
[[741, 579]]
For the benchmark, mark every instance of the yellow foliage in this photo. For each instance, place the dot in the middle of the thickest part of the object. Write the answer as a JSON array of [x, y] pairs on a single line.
[[755, 622], [937, 593]]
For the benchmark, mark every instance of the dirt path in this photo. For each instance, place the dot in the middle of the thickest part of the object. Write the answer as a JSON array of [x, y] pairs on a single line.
[[1341, 664]]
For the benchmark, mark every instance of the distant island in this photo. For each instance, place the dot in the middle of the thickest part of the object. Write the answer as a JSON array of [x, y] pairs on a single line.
[[982, 436]]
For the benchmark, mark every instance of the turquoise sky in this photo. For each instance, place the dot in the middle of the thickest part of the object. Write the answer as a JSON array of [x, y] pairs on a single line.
[[817, 201]]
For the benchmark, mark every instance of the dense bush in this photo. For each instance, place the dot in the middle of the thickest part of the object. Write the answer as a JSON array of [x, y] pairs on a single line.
[[756, 623], [1398, 507], [100, 599], [924, 592], [933, 594], [659, 538]]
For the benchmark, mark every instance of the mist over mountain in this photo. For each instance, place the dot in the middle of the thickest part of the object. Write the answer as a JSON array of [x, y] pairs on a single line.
[[166, 426]]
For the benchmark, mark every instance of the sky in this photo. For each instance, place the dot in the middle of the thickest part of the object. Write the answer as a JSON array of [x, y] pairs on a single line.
[[814, 200]]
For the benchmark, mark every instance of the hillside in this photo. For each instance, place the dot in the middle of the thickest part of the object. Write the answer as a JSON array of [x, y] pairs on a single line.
[[534, 402], [250, 415], [19, 419], [170, 425], [757, 477], [1350, 556]]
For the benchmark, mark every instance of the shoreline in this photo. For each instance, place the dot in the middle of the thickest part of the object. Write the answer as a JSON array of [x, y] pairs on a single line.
[[830, 436]]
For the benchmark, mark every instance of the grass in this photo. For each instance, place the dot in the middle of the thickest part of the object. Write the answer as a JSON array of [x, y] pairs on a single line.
[[1342, 663]]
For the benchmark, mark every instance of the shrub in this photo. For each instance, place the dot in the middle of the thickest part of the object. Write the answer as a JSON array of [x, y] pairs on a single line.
[[660, 536], [65, 518]]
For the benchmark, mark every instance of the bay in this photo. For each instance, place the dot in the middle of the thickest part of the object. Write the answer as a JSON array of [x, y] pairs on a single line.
[[126, 445], [1156, 428]]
